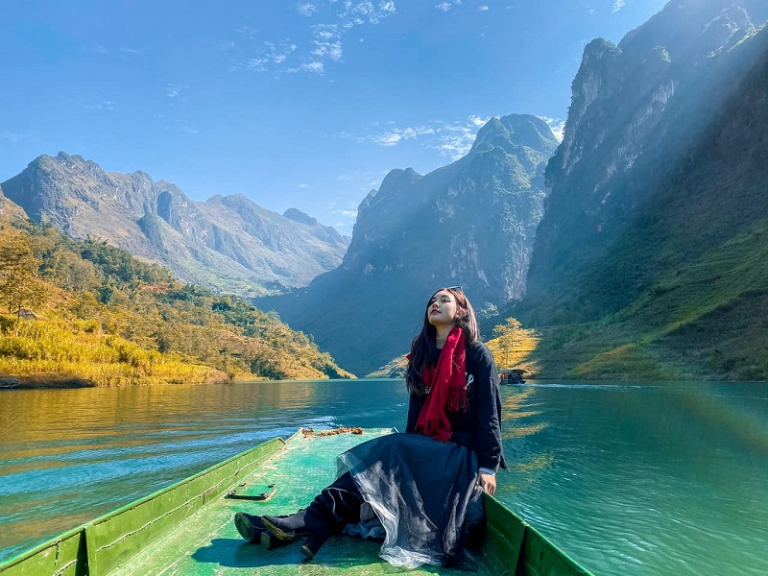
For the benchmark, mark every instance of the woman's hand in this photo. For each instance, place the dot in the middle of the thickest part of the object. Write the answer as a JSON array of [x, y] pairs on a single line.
[[488, 483]]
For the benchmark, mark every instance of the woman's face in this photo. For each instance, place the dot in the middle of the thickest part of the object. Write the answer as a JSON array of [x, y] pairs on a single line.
[[442, 309]]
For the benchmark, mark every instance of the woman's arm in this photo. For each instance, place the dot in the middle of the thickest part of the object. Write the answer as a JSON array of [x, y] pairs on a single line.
[[414, 408], [487, 411]]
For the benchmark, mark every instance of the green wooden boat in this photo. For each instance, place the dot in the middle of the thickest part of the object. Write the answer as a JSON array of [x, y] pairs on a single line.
[[187, 529]]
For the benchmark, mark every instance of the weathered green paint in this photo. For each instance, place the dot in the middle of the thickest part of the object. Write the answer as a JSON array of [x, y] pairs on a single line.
[[65, 555], [98, 547], [187, 529], [512, 546], [542, 558], [503, 538], [116, 538]]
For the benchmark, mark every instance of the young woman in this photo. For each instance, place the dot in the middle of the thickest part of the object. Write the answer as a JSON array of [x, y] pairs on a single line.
[[424, 486]]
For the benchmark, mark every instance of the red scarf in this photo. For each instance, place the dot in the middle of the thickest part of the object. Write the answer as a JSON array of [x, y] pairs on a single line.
[[447, 388]]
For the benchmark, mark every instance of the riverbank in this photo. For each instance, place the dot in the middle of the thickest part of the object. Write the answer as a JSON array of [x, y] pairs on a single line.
[[27, 374]]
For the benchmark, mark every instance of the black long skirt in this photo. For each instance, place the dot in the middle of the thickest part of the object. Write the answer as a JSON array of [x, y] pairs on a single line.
[[425, 493]]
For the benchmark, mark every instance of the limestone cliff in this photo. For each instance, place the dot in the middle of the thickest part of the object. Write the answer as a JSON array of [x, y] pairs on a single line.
[[471, 223]]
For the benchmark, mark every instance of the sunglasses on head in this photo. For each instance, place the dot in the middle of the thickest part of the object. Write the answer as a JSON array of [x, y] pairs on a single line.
[[456, 288]]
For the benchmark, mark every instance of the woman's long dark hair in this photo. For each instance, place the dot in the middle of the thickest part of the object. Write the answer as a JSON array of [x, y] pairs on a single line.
[[424, 350]]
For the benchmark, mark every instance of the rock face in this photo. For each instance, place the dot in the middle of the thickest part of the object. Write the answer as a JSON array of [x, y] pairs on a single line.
[[9, 209], [226, 243], [471, 223], [636, 108], [327, 233], [652, 258]]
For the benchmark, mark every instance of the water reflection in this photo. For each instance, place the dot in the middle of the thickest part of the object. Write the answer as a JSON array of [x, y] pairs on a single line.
[[521, 417], [70, 455], [629, 479], [657, 479]]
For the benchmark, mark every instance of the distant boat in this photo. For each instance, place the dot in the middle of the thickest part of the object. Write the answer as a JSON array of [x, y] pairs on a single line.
[[187, 528], [514, 376]]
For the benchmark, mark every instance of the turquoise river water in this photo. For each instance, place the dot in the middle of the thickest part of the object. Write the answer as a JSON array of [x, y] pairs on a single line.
[[630, 480]]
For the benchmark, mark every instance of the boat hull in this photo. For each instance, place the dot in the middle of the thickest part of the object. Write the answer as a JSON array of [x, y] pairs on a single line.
[[187, 529]]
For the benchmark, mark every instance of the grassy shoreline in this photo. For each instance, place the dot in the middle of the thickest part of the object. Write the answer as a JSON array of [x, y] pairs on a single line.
[[35, 376]]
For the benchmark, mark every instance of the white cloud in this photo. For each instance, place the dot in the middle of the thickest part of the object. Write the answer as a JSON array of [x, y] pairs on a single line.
[[557, 126], [314, 67], [189, 129], [456, 138], [15, 137], [271, 54], [303, 185], [173, 90], [392, 137], [246, 30], [330, 49], [130, 51], [483, 8], [106, 105], [306, 9], [333, 19], [618, 5], [348, 212], [448, 5], [452, 139]]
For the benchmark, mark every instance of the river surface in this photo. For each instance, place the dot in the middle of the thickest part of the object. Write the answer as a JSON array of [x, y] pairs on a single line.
[[628, 479]]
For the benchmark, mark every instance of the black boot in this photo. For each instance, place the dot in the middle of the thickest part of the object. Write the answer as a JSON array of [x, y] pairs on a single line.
[[253, 530], [287, 528], [250, 527], [305, 523], [314, 542]]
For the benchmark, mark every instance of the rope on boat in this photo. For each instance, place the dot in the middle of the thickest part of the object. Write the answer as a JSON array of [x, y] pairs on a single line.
[[307, 432]]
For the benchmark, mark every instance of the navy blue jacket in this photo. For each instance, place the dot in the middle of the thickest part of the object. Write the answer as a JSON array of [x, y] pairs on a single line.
[[479, 428]]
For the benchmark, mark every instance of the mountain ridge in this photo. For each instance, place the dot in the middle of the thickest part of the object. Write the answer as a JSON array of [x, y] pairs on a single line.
[[471, 223], [632, 115], [659, 272], [227, 243]]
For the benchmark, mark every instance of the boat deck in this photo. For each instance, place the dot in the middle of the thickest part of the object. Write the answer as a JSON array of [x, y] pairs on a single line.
[[208, 543]]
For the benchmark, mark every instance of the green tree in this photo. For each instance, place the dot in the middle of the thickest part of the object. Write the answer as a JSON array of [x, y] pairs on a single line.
[[507, 333], [68, 270], [19, 283]]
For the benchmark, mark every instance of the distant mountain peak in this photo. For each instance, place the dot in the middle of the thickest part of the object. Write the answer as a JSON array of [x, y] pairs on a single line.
[[301, 217], [509, 132], [471, 222], [695, 29], [227, 243]]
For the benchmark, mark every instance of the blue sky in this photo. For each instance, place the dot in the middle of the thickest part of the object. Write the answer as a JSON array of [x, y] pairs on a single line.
[[304, 103]]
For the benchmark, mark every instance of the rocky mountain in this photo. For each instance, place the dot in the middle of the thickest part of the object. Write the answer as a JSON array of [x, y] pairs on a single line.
[[8, 209], [226, 243], [328, 233], [471, 223], [636, 109], [651, 259]]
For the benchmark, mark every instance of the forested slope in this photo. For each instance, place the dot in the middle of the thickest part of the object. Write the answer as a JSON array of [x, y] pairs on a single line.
[[88, 313]]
